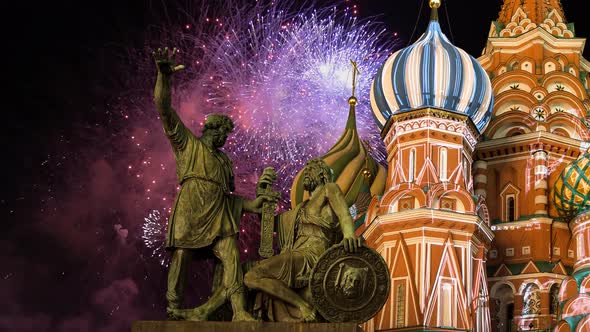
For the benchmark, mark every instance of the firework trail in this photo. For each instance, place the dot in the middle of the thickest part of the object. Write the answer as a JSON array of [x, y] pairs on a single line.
[[283, 75]]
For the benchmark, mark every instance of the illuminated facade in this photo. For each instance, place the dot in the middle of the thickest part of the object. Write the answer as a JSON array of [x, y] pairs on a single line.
[[480, 228], [539, 125]]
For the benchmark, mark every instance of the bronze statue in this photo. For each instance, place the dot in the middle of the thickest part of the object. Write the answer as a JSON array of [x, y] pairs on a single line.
[[305, 233], [205, 213]]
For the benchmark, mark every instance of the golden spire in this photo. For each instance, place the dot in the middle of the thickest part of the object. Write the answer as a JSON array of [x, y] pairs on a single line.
[[356, 172], [355, 70], [434, 4], [366, 172]]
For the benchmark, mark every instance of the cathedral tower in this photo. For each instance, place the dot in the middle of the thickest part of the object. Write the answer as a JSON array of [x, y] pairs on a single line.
[[431, 100], [539, 125]]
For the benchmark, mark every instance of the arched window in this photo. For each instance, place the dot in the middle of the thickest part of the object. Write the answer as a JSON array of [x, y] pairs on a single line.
[[443, 164], [503, 300], [510, 210], [553, 308], [447, 305], [412, 166], [509, 201], [400, 306], [480, 312]]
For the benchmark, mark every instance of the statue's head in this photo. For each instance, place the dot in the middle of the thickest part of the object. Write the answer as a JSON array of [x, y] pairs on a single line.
[[352, 281], [315, 173], [218, 126]]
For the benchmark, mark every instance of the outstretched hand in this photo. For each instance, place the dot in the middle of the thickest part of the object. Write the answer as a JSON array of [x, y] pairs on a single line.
[[165, 61]]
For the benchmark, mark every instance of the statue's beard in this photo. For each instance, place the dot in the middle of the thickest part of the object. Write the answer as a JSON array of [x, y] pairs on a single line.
[[309, 184]]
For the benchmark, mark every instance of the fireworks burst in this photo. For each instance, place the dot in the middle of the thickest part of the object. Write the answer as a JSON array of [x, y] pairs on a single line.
[[154, 231], [283, 75]]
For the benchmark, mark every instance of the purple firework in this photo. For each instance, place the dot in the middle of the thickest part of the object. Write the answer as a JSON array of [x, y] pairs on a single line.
[[283, 74]]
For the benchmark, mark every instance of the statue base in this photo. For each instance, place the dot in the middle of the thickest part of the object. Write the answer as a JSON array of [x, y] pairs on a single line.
[[211, 326]]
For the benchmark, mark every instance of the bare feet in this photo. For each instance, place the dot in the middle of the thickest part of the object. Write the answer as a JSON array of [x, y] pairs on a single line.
[[243, 316], [173, 313], [195, 314], [307, 313]]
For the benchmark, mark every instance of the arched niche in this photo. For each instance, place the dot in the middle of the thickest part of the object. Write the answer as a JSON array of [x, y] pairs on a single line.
[[506, 122], [502, 298], [531, 300]]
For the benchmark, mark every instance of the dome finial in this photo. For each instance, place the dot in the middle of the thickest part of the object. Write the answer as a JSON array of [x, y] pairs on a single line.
[[355, 70], [434, 4]]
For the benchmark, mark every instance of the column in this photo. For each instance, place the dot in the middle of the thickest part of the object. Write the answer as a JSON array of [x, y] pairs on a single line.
[[540, 171], [480, 177]]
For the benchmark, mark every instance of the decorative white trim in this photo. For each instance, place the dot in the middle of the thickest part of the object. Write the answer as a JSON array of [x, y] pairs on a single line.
[[528, 277], [442, 164], [549, 41], [537, 136], [412, 215], [528, 223], [434, 123]]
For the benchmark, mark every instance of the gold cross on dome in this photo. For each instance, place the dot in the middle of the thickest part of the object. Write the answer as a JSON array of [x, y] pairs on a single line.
[[355, 70]]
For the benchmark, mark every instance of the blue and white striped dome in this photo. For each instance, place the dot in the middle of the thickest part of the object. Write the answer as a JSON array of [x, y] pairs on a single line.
[[432, 72]]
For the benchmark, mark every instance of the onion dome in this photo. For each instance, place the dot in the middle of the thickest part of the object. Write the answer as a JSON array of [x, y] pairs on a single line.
[[432, 72], [571, 191], [356, 172]]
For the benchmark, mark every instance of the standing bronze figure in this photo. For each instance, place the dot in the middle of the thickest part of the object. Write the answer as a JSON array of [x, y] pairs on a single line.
[[205, 213]]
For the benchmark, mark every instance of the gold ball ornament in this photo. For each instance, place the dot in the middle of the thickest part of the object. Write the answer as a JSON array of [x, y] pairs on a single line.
[[434, 3]]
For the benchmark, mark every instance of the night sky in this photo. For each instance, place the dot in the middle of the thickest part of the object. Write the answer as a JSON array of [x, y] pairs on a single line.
[[72, 257]]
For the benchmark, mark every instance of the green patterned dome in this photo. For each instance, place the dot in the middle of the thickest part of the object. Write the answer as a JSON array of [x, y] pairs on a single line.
[[571, 192]]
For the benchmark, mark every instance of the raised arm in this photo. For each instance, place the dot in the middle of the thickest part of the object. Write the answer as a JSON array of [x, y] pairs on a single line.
[[173, 126], [340, 208]]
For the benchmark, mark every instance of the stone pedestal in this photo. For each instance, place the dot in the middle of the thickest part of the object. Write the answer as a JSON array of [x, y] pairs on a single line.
[[184, 326]]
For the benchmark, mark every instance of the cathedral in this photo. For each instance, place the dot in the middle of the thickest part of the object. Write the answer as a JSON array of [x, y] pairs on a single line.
[[483, 213]]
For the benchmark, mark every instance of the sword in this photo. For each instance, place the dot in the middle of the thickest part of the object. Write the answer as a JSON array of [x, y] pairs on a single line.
[[268, 214]]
